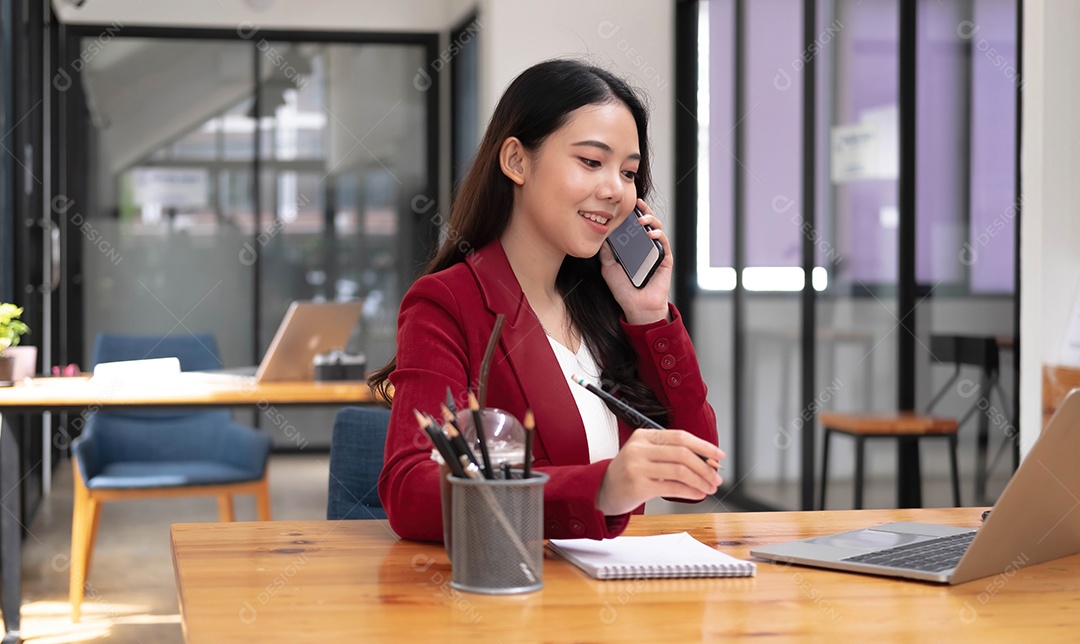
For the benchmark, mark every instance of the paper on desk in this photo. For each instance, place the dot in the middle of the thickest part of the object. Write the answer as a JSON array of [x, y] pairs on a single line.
[[132, 373], [657, 556]]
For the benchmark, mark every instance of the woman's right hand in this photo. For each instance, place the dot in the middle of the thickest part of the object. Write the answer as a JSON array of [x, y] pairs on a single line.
[[658, 462]]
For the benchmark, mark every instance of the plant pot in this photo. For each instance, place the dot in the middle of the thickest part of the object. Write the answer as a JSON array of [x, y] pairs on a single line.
[[25, 362], [7, 368]]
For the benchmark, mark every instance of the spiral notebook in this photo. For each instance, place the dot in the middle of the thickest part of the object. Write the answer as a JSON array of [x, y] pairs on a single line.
[[656, 557]]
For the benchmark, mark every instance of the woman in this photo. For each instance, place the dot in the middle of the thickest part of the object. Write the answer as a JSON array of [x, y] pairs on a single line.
[[564, 160]]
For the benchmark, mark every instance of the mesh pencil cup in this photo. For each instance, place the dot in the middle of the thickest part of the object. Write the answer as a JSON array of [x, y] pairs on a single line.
[[506, 443], [497, 546]]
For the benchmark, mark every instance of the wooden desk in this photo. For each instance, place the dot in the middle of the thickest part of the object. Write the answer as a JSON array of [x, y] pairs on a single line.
[[76, 394], [355, 581], [188, 390]]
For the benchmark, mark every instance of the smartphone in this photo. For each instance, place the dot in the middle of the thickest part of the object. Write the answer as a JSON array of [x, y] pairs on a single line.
[[636, 252]]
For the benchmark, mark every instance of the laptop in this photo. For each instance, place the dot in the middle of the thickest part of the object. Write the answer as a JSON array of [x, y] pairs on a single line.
[[1036, 519], [308, 329]]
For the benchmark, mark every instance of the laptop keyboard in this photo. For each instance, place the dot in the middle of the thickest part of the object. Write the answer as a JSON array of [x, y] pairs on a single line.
[[934, 555]]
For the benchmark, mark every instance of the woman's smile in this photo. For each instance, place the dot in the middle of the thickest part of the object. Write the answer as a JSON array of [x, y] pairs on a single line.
[[597, 220]]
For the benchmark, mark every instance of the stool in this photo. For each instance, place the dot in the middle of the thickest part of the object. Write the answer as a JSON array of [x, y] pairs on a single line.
[[904, 426]]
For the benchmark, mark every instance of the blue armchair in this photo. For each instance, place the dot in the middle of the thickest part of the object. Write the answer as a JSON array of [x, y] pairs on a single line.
[[139, 454], [356, 459]]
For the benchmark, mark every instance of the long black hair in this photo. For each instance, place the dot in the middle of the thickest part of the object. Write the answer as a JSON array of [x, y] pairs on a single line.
[[538, 102]]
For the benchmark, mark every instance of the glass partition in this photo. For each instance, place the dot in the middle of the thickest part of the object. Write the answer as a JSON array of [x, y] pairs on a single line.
[[968, 201], [176, 240], [161, 244], [858, 217], [752, 231], [771, 239]]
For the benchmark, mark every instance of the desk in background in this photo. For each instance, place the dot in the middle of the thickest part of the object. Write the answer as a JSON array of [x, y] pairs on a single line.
[[349, 581], [77, 394]]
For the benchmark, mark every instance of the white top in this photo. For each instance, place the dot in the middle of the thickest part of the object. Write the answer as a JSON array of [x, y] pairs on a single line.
[[601, 426]]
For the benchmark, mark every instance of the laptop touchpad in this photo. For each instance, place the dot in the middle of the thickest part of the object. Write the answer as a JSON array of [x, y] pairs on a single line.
[[868, 540]]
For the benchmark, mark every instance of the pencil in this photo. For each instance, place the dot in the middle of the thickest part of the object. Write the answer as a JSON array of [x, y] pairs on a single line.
[[489, 353], [462, 448], [481, 438], [530, 431], [453, 439], [441, 444], [450, 400], [632, 416]]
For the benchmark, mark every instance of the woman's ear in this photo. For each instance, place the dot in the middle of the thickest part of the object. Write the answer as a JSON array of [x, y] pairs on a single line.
[[512, 159]]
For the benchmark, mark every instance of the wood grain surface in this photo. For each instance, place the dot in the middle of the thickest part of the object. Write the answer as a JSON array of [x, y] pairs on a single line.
[[188, 390], [356, 581], [890, 424]]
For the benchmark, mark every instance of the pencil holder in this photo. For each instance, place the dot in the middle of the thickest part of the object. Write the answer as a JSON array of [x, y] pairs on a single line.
[[497, 545], [506, 443]]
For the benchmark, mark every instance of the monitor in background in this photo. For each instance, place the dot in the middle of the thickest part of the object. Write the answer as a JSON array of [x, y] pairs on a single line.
[[308, 329]]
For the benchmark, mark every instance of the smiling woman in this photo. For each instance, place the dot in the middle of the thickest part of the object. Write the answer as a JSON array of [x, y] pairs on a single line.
[[563, 162], [576, 188]]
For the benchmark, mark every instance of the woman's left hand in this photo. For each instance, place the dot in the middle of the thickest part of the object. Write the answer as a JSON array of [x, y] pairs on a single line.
[[641, 305]]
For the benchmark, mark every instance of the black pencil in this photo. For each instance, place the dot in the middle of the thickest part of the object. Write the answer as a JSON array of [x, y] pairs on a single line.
[[441, 443], [530, 430], [453, 430], [633, 417], [453, 440], [481, 438], [450, 400]]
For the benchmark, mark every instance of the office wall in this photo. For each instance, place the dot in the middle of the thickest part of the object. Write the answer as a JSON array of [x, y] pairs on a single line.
[[634, 38], [1050, 223]]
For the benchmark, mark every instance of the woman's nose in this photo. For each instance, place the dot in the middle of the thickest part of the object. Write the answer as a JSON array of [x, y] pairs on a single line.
[[610, 188]]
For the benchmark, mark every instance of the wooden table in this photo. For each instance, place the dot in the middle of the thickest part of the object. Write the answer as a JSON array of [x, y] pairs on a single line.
[[77, 394], [188, 389], [355, 581]]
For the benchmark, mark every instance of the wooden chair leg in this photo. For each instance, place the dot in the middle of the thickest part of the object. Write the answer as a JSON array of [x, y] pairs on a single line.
[[825, 467], [262, 499], [93, 511], [226, 512], [80, 528], [860, 455]]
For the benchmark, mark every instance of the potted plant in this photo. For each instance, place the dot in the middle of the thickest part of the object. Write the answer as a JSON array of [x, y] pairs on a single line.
[[11, 329]]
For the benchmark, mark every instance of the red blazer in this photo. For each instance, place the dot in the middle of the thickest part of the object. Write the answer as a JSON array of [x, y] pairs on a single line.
[[444, 325]]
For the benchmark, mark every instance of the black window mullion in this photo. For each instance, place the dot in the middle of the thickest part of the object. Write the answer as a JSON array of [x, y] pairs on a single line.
[[256, 205], [1018, 205], [7, 190], [809, 295], [739, 256], [686, 128], [909, 492]]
